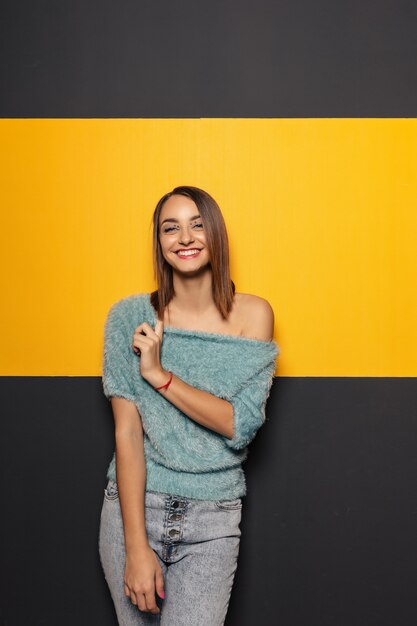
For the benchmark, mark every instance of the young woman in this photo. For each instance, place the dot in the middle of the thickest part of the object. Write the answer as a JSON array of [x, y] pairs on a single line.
[[188, 369]]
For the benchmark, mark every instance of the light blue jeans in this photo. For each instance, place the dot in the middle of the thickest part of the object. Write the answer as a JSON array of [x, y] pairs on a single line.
[[197, 542]]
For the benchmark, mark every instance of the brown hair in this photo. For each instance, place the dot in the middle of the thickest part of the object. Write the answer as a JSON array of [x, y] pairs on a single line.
[[218, 248]]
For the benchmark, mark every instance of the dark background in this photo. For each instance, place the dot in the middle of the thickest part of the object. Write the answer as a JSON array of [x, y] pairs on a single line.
[[220, 58], [329, 523]]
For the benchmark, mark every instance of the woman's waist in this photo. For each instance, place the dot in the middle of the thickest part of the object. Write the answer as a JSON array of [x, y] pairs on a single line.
[[192, 457], [224, 484]]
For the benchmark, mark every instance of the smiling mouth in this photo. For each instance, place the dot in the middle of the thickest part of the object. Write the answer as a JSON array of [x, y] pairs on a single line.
[[190, 253]]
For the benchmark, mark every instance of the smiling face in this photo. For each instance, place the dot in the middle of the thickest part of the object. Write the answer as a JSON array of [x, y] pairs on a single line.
[[182, 236]]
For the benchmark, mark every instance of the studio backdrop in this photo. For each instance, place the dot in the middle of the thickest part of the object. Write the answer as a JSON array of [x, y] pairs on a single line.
[[299, 119]]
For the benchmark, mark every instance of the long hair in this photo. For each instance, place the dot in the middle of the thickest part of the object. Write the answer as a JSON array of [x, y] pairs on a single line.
[[223, 288]]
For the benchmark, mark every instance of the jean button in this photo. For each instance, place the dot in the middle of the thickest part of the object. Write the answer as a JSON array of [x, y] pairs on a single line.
[[173, 532], [175, 504]]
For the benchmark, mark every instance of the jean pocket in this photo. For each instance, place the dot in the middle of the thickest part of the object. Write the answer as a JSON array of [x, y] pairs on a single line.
[[229, 505], [111, 492]]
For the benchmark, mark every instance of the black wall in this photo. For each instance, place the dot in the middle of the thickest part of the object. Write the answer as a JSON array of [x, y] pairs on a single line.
[[328, 526], [268, 58]]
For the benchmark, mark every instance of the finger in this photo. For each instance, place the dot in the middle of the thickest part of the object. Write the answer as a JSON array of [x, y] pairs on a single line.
[[159, 328], [159, 584], [127, 591], [151, 603], [133, 598], [142, 339], [142, 345], [141, 602], [147, 328]]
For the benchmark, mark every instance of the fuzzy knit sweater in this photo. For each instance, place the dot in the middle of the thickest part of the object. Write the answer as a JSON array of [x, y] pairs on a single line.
[[183, 457]]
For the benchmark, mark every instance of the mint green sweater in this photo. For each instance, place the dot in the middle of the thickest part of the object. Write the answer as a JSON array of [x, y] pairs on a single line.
[[182, 457]]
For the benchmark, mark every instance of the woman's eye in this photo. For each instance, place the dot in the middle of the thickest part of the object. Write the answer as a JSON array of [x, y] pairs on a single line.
[[168, 229]]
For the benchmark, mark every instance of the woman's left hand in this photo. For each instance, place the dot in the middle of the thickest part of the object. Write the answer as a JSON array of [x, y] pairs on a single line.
[[148, 345]]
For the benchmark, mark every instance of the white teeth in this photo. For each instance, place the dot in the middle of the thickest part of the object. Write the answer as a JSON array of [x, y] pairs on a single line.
[[187, 252]]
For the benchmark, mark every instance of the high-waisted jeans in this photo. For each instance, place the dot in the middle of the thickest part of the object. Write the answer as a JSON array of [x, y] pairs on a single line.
[[197, 544]]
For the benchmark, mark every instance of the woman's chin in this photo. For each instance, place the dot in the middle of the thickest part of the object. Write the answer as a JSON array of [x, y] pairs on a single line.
[[192, 270]]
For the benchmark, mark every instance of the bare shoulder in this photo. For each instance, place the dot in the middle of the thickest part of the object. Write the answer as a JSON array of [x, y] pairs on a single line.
[[256, 316]]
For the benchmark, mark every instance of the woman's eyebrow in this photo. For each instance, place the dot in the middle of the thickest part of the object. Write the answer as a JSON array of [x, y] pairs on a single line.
[[173, 219]]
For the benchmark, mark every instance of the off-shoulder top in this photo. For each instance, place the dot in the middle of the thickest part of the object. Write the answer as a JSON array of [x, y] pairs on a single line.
[[183, 457]]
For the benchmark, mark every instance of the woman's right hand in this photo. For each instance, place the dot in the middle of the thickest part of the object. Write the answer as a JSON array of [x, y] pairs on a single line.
[[143, 577]]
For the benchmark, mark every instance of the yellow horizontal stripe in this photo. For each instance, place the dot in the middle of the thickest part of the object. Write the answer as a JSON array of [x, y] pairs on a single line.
[[321, 214]]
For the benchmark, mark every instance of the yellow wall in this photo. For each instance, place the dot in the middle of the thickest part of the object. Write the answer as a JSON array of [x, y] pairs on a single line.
[[321, 215]]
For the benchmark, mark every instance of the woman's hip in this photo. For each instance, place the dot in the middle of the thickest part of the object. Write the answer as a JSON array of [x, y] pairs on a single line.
[[174, 519]]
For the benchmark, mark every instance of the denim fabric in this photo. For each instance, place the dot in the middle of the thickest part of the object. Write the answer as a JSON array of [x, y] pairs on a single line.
[[197, 544]]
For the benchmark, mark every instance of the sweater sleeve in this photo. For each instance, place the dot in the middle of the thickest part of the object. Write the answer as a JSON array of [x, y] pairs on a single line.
[[117, 355], [249, 409]]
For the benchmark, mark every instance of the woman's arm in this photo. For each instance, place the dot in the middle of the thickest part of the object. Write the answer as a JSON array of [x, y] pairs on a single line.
[[201, 406], [143, 574], [131, 471]]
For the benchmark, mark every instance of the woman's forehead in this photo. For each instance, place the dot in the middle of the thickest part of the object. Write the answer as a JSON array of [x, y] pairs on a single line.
[[179, 207]]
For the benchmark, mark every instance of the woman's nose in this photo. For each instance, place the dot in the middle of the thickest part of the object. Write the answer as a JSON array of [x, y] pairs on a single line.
[[185, 236]]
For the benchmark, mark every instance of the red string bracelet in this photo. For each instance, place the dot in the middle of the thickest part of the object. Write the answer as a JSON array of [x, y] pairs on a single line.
[[166, 384]]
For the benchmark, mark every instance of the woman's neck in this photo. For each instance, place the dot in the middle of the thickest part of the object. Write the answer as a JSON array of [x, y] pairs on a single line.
[[193, 294]]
